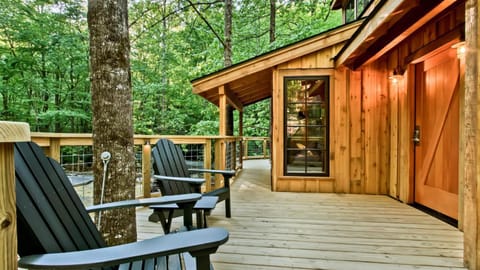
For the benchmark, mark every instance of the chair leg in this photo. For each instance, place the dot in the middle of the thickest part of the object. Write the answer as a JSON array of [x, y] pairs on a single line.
[[200, 219], [228, 212]]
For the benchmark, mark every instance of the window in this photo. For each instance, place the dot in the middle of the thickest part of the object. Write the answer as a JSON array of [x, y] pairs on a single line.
[[354, 9], [306, 125]]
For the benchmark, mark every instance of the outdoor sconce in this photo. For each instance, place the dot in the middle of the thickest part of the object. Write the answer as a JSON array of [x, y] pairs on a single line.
[[461, 49], [396, 76]]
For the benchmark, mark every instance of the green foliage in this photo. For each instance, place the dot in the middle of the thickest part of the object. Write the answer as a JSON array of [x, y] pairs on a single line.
[[44, 76], [257, 119], [44, 65]]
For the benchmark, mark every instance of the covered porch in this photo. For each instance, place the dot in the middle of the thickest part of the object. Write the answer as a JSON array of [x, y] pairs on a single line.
[[278, 230]]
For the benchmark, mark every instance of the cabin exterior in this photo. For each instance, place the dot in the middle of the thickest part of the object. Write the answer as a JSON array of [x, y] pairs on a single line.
[[385, 104]]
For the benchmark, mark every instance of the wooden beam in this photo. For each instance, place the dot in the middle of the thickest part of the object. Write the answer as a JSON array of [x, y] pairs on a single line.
[[396, 39], [10, 132], [438, 45], [380, 17], [233, 100]]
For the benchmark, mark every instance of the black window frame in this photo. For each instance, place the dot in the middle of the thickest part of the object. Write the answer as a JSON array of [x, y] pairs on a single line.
[[326, 126]]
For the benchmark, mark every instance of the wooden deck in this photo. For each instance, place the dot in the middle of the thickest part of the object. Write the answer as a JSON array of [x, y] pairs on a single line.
[[274, 230]]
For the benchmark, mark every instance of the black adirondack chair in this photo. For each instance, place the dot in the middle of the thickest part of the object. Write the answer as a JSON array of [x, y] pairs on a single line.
[[56, 232], [173, 176]]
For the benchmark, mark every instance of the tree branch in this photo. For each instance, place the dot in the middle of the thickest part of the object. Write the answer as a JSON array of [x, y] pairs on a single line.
[[207, 23]]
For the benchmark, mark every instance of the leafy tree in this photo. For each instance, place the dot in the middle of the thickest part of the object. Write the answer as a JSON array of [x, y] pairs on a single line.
[[44, 57], [43, 65]]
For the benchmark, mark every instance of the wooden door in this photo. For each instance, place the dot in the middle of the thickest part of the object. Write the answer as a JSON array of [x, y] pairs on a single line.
[[437, 124]]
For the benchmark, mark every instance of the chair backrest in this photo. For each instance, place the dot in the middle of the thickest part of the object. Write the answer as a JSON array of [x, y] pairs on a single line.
[[50, 215], [168, 160]]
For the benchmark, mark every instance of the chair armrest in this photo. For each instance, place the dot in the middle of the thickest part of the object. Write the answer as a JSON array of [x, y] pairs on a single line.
[[192, 181], [225, 173], [183, 198], [196, 242]]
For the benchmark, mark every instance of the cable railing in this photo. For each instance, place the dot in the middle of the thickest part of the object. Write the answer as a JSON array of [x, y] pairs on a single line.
[[74, 152]]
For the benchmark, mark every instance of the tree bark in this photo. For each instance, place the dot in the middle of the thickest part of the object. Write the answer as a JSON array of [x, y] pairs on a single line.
[[227, 56], [112, 114], [272, 20], [227, 50]]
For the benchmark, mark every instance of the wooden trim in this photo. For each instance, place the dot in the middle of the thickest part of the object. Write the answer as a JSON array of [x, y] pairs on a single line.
[[275, 58], [380, 17], [384, 31], [440, 44], [410, 30], [461, 158]]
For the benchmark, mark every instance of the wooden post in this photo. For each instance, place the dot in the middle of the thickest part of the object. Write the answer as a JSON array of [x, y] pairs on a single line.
[[220, 146], [264, 148], [245, 148], [9, 133], [219, 159], [471, 136], [207, 163], [222, 104], [146, 169], [54, 149], [240, 134]]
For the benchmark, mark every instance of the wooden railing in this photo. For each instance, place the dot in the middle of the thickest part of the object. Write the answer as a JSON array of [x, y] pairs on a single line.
[[256, 147], [224, 149], [9, 134]]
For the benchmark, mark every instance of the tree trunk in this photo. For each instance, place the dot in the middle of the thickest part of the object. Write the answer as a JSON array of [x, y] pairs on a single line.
[[227, 50], [227, 56], [112, 114], [272, 20]]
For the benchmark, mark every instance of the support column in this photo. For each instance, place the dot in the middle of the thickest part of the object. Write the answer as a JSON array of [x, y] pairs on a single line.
[[472, 139], [222, 104], [221, 147]]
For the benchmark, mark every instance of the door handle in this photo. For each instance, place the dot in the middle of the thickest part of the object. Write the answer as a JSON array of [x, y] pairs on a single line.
[[416, 135]]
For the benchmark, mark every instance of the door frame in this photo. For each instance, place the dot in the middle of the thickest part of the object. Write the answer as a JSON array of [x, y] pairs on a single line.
[[411, 87]]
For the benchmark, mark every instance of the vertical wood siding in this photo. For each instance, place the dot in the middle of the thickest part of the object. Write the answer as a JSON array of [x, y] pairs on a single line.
[[371, 118]]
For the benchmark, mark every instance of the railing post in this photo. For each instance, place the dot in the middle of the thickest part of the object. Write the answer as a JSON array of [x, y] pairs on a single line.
[[146, 168], [264, 148], [54, 149], [245, 151], [240, 155], [10, 132], [207, 163], [220, 152]]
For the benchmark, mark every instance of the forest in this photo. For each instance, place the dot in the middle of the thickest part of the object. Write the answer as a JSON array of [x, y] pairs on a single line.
[[44, 59]]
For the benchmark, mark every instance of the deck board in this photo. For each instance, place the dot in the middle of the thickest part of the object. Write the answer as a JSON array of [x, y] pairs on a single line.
[[277, 230]]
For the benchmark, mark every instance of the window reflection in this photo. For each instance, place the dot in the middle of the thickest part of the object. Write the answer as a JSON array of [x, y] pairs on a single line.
[[306, 125]]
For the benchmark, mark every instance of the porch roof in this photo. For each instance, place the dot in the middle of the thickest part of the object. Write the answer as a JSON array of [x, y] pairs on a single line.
[[389, 24], [251, 81]]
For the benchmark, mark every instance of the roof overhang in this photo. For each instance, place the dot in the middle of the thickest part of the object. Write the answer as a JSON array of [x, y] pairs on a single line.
[[251, 81], [389, 24]]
